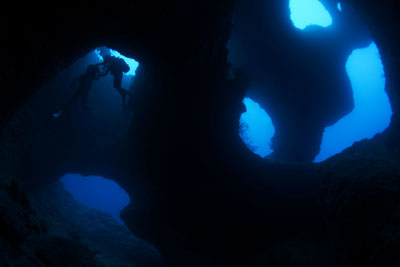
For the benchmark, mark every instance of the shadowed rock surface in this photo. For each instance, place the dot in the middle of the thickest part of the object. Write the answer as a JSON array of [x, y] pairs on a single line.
[[201, 198], [112, 241], [29, 237]]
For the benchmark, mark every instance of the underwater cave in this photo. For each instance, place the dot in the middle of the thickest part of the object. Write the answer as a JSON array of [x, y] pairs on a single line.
[[372, 111], [201, 133], [89, 206]]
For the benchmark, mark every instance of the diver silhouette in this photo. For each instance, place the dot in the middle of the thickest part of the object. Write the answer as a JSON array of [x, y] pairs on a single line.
[[117, 67], [85, 83]]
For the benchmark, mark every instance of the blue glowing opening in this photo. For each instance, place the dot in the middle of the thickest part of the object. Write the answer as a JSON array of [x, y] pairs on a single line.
[[256, 128], [304, 13], [133, 64], [97, 193], [372, 112]]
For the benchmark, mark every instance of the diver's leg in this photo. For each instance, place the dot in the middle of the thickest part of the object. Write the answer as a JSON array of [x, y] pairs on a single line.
[[123, 103], [121, 91], [118, 82], [69, 103], [85, 96], [73, 98]]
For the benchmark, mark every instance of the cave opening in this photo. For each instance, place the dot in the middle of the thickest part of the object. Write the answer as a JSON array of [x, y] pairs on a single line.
[[305, 13], [89, 130], [372, 109], [100, 79], [87, 209], [82, 210], [256, 128], [97, 193], [82, 132], [323, 108]]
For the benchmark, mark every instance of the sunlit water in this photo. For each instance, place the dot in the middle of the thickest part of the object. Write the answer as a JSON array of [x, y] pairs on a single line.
[[97, 193], [304, 13], [372, 111], [133, 64], [256, 128]]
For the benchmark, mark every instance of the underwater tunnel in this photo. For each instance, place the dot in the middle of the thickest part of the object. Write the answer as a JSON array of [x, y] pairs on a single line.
[[79, 130], [105, 123]]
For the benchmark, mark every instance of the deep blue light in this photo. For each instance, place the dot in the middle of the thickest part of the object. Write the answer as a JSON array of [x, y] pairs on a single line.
[[133, 64], [97, 193], [256, 128], [304, 13], [372, 112]]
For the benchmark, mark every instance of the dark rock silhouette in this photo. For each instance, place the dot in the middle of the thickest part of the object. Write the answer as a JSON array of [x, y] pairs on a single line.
[[200, 197], [112, 242], [29, 239]]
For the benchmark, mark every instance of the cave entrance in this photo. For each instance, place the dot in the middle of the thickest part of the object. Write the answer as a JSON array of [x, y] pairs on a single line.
[[97, 193], [372, 109], [305, 13], [256, 128], [80, 210], [87, 210], [321, 81]]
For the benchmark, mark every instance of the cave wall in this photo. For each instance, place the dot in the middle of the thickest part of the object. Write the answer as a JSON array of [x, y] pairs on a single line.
[[200, 196], [30, 237]]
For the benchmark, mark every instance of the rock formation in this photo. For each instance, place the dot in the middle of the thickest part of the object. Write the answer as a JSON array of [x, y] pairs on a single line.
[[200, 197]]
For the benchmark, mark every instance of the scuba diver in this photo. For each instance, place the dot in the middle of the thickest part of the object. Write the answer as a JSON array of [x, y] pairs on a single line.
[[85, 83], [117, 67]]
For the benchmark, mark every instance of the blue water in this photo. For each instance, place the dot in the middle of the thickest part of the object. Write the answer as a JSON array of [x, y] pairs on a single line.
[[256, 128], [372, 112], [133, 64], [304, 13], [97, 193]]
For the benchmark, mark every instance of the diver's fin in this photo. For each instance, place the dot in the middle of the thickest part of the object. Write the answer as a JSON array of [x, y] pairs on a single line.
[[58, 114]]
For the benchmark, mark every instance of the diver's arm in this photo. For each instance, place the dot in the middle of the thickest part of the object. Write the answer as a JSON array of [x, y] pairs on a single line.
[[105, 73]]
